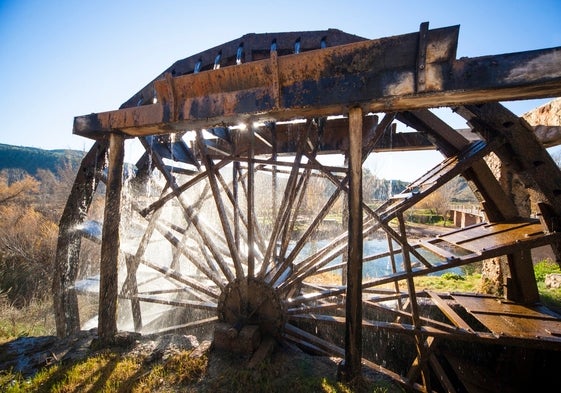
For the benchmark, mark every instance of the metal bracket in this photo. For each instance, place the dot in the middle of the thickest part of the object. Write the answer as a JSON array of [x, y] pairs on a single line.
[[422, 58]]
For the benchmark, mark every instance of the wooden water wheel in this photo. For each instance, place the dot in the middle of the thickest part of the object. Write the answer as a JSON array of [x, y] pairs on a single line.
[[245, 224]]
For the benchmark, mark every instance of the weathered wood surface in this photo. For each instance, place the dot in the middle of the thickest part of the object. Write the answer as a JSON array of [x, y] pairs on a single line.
[[110, 242], [66, 265], [377, 74]]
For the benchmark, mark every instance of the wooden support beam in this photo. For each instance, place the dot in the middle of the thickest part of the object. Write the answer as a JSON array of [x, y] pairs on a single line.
[[377, 74], [110, 242], [351, 368], [65, 300]]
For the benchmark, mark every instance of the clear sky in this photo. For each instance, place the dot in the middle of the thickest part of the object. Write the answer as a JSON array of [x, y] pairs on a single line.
[[61, 59]]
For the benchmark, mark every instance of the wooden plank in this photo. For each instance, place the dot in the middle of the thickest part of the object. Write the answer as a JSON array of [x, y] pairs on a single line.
[[480, 238], [431, 246], [380, 82], [353, 304], [448, 311], [510, 319], [386, 69], [110, 242]]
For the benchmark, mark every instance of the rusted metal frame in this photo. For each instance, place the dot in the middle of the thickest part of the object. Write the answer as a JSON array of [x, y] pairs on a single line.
[[175, 192], [286, 206], [225, 94], [188, 325], [65, 300], [110, 242], [333, 67], [420, 74], [234, 254], [253, 44], [191, 216], [194, 259]]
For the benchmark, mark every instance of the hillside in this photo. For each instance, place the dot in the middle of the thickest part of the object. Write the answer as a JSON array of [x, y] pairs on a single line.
[[30, 159]]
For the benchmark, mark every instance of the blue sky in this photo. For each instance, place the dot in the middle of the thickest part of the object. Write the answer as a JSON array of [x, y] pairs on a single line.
[[61, 59]]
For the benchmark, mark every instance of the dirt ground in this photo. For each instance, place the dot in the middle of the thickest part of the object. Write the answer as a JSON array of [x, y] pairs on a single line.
[[284, 365]]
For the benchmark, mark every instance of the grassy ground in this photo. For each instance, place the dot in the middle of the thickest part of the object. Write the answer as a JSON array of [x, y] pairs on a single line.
[[119, 369], [134, 369]]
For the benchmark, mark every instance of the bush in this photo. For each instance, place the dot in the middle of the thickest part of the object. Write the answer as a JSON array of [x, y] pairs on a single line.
[[545, 267]]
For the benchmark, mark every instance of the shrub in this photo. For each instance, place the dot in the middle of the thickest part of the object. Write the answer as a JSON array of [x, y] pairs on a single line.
[[545, 267]]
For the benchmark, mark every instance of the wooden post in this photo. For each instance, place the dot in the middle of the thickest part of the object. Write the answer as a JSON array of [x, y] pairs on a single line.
[[351, 369], [110, 242], [65, 299], [251, 205]]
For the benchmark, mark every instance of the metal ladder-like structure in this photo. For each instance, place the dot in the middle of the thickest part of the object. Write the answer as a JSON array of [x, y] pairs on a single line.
[[228, 227]]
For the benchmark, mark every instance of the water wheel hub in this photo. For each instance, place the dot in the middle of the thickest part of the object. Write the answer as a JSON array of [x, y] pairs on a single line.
[[252, 302]]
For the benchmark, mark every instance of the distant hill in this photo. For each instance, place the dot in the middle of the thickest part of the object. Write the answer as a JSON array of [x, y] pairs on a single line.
[[30, 159]]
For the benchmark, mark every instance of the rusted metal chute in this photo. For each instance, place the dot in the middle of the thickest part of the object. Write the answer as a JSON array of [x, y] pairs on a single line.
[[232, 232]]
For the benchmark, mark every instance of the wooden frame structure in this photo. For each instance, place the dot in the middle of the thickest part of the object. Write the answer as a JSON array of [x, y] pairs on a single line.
[[188, 119]]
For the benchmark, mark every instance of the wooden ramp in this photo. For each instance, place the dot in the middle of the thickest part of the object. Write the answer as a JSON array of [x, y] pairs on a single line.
[[507, 319], [487, 240]]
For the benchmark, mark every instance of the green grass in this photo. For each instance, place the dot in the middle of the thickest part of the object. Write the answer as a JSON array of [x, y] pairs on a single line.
[[116, 371], [110, 371]]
